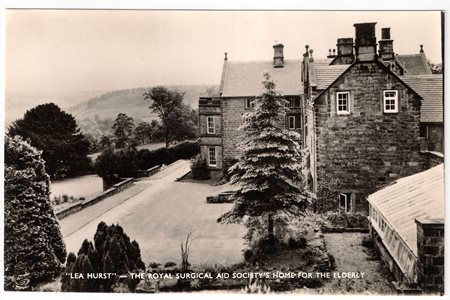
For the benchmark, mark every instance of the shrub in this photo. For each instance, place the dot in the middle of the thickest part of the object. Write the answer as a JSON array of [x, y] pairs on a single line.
[[248, 255], [367, 243], [199, 168], [111, 252], [82, 199], [34, 249], [348, 220], [65, 198], [154, 265], [169, 264]]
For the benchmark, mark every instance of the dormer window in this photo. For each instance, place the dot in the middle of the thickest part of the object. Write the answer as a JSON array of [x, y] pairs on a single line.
[[343, 103], [249, 103], [390, 101]]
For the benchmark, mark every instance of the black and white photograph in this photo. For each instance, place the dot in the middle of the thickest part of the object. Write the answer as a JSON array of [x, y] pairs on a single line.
[[238, 151]]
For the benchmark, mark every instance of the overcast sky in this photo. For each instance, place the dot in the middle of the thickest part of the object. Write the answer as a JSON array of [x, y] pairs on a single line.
[[83, 50]]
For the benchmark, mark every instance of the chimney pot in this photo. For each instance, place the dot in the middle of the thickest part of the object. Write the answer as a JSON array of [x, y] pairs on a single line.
[[226, 58], [385, 33], [311, 59], [421, 48], [278, 57]]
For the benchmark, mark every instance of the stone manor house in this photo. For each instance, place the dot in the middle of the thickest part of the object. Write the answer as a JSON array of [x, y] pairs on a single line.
[[367, 116]]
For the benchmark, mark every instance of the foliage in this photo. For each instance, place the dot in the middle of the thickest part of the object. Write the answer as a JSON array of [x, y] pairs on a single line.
[[185, 248], [34, 247], [269, 171], [111, 252], [436, 68], [348, 220], [227, 164], [179, 121], [328, 192], [56, 132], [125, 163], [147, 132], [199, 168], [123, 129]]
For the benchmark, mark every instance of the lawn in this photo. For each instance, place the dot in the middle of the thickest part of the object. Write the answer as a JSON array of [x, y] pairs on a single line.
[[83, 186]]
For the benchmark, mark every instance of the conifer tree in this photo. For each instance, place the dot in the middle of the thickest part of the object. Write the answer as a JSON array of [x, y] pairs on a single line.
[[269, 170], [34, 247]]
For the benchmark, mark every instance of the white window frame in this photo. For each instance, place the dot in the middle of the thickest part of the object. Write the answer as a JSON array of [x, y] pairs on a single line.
[[289, 122], [210, 163], [342, 112], [385, 99], [210, 129], [348, 202], [249, 103]]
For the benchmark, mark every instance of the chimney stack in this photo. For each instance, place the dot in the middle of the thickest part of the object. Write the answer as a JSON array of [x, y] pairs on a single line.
[[365, 42], [386, 50], [344, 46], [278, 58]]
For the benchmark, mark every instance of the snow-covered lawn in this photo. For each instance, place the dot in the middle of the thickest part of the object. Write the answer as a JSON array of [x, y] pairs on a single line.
[[83, 186], [161, 216]]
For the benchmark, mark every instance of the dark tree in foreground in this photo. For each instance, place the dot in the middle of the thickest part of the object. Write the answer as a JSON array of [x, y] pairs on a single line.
[[123, 129], [179, 121], [111, 252], [56, 132], [269, 171], [34, 247]]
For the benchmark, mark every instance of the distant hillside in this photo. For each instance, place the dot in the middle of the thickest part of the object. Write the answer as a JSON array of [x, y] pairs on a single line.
[[131, 102]]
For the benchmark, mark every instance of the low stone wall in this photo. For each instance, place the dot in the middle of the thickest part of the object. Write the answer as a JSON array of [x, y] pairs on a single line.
[[432, 158], [124, 184], [148, 172]]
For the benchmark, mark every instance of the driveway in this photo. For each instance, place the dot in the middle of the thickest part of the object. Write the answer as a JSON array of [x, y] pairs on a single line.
[[158, 213]]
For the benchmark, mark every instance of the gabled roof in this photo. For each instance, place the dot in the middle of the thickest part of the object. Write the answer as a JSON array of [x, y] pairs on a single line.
[[417, 196], [430, 88], [322, 76], [244, 79], [415, 64]]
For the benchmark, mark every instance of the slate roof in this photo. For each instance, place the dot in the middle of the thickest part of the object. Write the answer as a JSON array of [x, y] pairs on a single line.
[[321, 75], [415, 64], [430, 87], [417, 196], [241, 79]]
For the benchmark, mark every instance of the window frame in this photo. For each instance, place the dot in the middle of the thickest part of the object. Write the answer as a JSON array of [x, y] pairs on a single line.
[[294, 122], [348, 204], [213, 125], [426, 131], [249, 103], [395, 98], [343, 112], [209, 157]]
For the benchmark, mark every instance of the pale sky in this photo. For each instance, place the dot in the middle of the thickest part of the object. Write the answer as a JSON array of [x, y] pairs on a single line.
[[83, 50]]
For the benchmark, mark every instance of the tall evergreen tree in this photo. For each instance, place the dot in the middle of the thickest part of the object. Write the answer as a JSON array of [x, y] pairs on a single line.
[[34, 247], [269, 171], [123, 129], [56, 133]]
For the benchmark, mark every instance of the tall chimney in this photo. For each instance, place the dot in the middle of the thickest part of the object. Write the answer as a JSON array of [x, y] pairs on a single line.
[[386, 50], [365, 42], [278, 58]]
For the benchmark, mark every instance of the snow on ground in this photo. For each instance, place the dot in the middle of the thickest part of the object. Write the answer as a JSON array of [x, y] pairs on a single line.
[[160, 216], [83, 186]]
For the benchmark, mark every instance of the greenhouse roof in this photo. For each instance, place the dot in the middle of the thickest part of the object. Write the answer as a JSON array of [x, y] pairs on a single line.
[[409, 198]]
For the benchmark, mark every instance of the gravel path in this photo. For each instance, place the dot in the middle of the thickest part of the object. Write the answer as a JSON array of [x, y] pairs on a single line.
[[351, 256]]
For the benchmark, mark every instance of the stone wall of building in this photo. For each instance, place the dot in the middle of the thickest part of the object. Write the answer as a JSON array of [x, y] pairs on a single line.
[[232, 117], [430, 252], [367, 148]]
